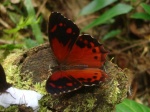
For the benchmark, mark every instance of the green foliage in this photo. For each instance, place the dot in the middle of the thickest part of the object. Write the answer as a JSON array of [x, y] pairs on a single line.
[[14, 17], [95, 5], [10, 46], [30, 43], [109, 14], [143, 15], [131, 106], [23, 22], [111, 34], [35, 27]]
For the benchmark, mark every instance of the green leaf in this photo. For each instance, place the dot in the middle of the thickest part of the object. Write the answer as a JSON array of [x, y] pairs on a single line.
[[95, 5], [30, 43], [35, 27], [115, 11], [131, 106], [22, 24], [111, 34], [14, 16], [146, 7], [10, 46], [142, 16]]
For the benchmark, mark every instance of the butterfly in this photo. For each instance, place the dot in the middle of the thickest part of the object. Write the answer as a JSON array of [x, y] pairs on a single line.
[[3, 83], [79, 58]]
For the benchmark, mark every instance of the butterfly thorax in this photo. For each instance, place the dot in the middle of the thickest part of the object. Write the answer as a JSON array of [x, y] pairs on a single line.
[[68, 67]]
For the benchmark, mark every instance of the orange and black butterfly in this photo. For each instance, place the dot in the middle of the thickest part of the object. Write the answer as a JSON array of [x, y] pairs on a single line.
[[79, 57]]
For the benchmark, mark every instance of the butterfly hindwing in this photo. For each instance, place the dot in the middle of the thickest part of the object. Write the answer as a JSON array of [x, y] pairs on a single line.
[[69, 80], [63, 33]]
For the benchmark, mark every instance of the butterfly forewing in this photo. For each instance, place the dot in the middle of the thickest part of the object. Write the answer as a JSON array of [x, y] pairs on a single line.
[[87, 51], [63, 33]]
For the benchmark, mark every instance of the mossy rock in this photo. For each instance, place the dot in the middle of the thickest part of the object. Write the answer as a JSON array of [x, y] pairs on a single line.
[[32, 68]]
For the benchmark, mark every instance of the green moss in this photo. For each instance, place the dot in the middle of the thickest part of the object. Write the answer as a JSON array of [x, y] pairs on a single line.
[[2, 108], [113, 93], [90, 102], [21, 80], [13, 107], [16, 108], [40, 87], [102, 98]]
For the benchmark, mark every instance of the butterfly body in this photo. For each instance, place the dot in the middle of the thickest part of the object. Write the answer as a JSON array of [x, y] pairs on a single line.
[[79, 58]]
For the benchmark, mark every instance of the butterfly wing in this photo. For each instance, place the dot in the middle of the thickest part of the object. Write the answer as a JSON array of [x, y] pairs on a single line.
[[87, 51], [63, 33], [70, 49], [69, 80]]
